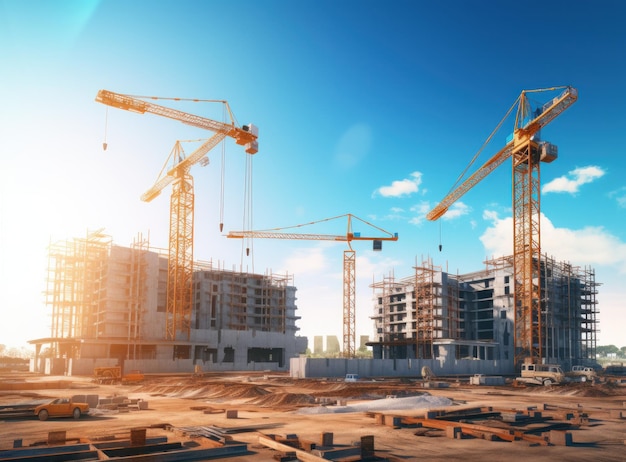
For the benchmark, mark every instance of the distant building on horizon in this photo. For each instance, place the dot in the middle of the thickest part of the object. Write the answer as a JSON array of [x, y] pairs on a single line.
[[332, 344], [318, 344]]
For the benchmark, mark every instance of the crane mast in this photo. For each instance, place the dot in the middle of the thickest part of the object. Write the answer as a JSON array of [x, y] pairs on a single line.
[[349, 266], [181, 223], [527, 152]]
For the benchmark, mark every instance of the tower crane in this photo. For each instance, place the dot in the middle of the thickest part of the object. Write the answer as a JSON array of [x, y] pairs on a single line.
[[349, 264], [180, 261], [527, 152]]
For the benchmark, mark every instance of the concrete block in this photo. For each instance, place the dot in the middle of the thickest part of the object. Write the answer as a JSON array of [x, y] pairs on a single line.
[[392, 420], [327, 439], [616, 414], [79, 398], [307, 446], [561, 438], [367, 446], [232, 414], [138, 437], [92, 400], [454, 432], [57, 437]]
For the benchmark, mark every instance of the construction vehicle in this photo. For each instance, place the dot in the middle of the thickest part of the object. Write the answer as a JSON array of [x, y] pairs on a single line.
[[349, 264], [134, 376], [180, 261], [62, 407], [527, 152], [107, 375], [541, 374], [582, 374]]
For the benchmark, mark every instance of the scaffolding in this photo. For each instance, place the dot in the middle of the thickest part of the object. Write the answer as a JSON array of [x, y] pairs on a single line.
[[391, 305], [74, 286], [428, 313], [589, 314], [137, 282], [569, 312], [479, 307], [240, 300]]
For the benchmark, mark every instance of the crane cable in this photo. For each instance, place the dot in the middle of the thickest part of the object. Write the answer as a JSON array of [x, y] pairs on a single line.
[[484, 145], [520, 99], [222, 177], [222, 182], [247, 209]]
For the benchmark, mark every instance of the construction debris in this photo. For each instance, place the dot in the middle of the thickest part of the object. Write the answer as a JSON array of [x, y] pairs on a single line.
[[488, 423], [129, 448]]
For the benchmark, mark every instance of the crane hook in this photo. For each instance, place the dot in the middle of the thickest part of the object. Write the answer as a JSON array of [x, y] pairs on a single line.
[[106, 121], [440, 245]]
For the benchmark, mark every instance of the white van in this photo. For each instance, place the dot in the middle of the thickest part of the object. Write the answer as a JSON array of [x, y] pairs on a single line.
[[352, 377]]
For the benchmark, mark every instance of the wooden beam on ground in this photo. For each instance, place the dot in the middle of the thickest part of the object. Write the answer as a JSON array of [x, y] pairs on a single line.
[[474, 429], [300, 454]]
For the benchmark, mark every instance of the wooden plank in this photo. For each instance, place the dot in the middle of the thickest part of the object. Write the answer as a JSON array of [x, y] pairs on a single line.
[[300, 454]]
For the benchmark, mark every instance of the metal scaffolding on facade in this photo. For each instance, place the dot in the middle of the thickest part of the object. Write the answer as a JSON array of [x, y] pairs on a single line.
[[428, 312], [73, 287]]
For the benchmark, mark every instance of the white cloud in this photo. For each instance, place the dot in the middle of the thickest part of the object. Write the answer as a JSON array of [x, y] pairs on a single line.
[[420, 210], [456, 210], [307, 260], [571, 182], [404, 187], [620, 197], [592, 245]]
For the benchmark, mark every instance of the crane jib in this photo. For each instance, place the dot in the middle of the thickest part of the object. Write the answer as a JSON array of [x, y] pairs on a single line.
[[549, 111], [243, 136]]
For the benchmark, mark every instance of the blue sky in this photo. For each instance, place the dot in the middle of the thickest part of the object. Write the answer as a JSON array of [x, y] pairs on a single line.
[[364, 107]]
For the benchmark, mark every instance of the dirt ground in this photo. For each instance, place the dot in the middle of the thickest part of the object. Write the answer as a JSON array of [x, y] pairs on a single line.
[[248, 406]]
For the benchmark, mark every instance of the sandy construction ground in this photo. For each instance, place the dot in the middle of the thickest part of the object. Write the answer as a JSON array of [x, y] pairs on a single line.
[[575, 422]]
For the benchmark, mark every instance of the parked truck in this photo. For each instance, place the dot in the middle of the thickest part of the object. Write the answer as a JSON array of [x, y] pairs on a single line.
[[541, 374], [62, 407], [582, 374]]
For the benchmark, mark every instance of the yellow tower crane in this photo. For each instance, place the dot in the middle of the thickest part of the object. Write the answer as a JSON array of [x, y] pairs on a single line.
[[349, 264], [527, 152], [180, 261]]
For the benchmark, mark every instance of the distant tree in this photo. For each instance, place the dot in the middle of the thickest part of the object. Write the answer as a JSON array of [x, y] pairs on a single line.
[[623, 350], [607, 349]]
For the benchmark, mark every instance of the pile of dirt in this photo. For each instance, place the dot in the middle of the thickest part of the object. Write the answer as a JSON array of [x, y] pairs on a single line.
[[205, 390], [366, 390], [598, 390], [283, 400]]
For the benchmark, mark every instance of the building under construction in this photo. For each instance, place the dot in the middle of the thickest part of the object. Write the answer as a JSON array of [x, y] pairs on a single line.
[[109, 308], [434, 314]]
